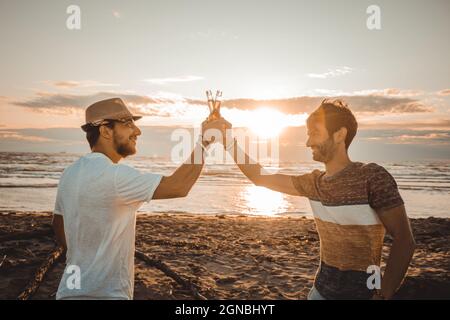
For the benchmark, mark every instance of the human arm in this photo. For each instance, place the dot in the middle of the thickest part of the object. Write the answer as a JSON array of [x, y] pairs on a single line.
[[179, 183], [397, 225], [253, 171], [58, 228]]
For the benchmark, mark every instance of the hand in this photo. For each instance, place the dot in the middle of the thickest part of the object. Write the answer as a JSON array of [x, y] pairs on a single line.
[[212, 128]]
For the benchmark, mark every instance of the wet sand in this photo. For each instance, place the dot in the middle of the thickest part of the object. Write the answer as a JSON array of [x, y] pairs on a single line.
[[226, 257]]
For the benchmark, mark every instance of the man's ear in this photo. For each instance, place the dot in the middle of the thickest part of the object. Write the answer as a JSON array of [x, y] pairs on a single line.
[[105, 132], [340, 135]]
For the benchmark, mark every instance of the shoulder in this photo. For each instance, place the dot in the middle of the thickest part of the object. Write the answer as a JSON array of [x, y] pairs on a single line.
[[369, 166], [124, 168], [306, 183], [69, 170], [313, 175], [123, 171], [316, 174], [372, 169], [378, 176]]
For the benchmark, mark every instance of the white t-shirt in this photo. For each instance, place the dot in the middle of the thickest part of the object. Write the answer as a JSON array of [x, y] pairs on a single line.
[[98, 201]]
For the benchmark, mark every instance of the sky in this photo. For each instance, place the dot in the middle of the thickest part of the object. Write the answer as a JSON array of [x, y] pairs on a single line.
[[272, 60]]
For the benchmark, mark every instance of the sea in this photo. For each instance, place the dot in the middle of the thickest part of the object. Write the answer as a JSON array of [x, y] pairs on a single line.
[[28, 182]]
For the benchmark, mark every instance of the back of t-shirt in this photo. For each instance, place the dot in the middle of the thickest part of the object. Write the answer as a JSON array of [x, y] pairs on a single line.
[[98, 201]]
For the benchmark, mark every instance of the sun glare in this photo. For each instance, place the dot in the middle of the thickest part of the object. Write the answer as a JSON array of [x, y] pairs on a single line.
[[267, 123], [263, 201], [264, 122]]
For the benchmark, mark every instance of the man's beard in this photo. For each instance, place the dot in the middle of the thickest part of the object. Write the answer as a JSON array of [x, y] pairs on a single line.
[[325, 151], [125, 148]]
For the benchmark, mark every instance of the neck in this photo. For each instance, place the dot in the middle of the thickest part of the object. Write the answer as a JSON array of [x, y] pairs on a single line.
[[336, 164], [112, 154]]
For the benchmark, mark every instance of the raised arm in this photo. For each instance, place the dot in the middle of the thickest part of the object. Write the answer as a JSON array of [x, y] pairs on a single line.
[[253, 171], [179, 183]]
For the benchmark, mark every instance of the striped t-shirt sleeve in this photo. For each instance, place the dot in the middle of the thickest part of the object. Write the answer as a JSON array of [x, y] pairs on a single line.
[[383, 192], [305, 184]]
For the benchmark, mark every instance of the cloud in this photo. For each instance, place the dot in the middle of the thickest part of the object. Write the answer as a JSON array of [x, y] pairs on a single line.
[[391, 92], [388, 92], [163, 81], [359, 104], [16, 136], [331, 73], [76, 84], [71, 102], [167, 105], [445, 92], [443, 137], [162, 105], [405, 136], [436, 124]]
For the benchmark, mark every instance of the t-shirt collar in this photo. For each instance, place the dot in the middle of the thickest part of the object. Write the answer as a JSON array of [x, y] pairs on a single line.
[[339, 173], [98, 155]]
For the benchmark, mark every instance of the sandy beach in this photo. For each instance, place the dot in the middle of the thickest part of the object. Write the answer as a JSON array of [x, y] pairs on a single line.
[[224, 256]]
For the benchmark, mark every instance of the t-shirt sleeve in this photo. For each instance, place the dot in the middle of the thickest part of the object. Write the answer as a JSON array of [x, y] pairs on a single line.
[[58, 204], [383, 190], [306, 184], [133, 186]]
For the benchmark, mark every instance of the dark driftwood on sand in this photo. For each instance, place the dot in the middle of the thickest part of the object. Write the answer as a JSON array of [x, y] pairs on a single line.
[[26, 235], [35, 282], [56, 254], [169, 272]]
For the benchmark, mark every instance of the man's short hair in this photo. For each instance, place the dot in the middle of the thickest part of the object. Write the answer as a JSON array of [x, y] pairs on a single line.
[[93, 133], [336, 115]]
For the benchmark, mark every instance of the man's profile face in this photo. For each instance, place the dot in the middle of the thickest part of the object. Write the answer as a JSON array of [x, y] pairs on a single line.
[[322, 145], [125, 137]]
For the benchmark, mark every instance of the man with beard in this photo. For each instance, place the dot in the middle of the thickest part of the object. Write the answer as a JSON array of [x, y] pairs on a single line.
[[353, 204], [97, 199]]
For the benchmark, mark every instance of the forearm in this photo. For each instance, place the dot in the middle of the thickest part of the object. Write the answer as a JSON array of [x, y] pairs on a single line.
[[187, 174], [399, 259], [248, 166], [255, 173], [58, 228], [61, 240]]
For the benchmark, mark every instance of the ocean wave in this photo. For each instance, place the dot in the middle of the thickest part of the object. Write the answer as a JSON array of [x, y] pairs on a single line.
[[43, 170]]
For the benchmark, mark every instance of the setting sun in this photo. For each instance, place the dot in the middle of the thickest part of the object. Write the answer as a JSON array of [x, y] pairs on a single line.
[[267, 123]]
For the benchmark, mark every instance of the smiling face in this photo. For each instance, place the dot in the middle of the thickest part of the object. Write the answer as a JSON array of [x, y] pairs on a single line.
[[321, 143], [125, 137]]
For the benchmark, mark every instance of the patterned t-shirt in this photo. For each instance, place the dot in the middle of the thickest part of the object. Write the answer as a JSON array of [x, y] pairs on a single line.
[[345, 208]]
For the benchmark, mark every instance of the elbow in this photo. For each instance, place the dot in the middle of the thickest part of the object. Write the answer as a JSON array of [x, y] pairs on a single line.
[[407, 242], [256, 181], [182, 192]]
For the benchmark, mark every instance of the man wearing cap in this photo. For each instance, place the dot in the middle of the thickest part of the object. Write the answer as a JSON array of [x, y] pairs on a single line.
[[97, 199]]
